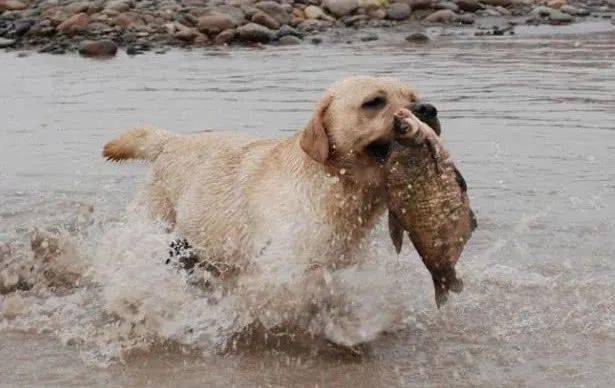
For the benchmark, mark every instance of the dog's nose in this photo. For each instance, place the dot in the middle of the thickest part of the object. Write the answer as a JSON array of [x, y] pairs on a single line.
[[427, 113], [424, 111]]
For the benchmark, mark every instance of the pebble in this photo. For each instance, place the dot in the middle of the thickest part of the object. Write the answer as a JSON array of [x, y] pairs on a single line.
[[468, 5], [256, 33], [288, 30], [74, 24], [4, 43], [417, 37], [52, 25], [275, 11], [370, 37], [289, 40], [225, 37], [314, 12], [215, 23], [447, 5], [558, 16], [569, 9], [341, 8], [12, 5], [442, 16], [377, 14], [398, 11], [265, 20], [98, 48], [466, 18], [23, 26], [117, 6], [557, 4], [77, 7], [420, 4], [495, 3]]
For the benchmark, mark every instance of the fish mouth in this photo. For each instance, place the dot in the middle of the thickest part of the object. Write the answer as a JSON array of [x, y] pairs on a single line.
[[379, 149]]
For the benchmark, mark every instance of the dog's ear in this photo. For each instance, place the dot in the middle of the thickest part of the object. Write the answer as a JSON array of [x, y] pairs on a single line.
[[314, 139]]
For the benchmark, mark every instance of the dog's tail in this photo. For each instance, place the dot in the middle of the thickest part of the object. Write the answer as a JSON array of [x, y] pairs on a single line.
[[140, 143]]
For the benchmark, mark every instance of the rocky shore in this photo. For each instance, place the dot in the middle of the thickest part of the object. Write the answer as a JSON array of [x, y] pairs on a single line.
[[99, 28]]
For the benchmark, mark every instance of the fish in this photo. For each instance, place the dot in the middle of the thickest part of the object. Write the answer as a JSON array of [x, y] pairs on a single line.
[[427, 198]]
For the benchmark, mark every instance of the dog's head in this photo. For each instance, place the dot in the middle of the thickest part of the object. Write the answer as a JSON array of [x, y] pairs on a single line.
[[353, 126]]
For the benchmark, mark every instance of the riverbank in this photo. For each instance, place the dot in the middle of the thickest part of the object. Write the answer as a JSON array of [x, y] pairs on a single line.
[[102, 27]]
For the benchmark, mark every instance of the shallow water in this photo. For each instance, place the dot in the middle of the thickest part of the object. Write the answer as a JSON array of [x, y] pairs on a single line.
[[529, 120]]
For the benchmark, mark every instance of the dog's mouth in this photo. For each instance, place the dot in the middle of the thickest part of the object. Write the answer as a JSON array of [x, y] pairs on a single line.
[[379, 150]]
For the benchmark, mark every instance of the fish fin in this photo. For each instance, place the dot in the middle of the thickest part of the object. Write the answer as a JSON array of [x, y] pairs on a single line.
[[396, 231], [443, 284], [432, 144], [441, 294]]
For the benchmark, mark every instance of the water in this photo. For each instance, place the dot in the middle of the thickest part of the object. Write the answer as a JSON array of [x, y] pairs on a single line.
[[529, 120]]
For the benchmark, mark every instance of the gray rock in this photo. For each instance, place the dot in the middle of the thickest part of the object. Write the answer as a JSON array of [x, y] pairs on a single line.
[[468, 5], [289, 40], [341, 7], [97, 48], [253, 32], [398, 11], [275, 10], [417, 37], [442, 16], [4, 43]]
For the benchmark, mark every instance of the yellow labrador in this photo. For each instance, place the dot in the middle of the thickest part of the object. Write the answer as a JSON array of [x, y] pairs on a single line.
[[315, 194]]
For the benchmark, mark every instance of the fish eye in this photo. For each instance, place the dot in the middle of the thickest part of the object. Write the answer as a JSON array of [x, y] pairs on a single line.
[[374, 103]]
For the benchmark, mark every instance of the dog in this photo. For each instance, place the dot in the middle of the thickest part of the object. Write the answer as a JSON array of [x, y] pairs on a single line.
[[313, 196]]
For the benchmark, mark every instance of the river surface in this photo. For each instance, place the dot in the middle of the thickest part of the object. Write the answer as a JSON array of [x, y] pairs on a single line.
[[529, 119]]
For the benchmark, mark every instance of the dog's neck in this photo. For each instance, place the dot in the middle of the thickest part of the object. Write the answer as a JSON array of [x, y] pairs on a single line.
[[349, 209]]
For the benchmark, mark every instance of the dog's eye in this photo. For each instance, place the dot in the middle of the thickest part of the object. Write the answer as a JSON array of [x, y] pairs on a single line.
[[374, 103], [379, 150]]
